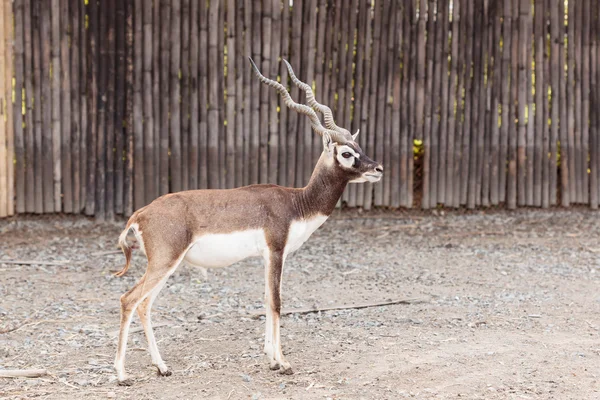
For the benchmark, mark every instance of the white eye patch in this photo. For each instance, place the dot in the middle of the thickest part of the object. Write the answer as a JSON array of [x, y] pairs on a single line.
[[346, 162]]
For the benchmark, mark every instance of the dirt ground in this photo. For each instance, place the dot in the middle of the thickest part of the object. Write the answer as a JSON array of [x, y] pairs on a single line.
[[504, 306]]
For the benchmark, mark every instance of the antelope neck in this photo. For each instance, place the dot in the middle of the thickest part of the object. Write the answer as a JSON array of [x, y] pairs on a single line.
[[323, 191]]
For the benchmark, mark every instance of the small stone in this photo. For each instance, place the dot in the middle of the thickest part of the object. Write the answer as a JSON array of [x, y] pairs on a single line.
[[111, 395], [246, 378]]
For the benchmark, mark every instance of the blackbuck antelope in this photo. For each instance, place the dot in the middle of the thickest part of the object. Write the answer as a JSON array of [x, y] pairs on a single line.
[[216, 228]]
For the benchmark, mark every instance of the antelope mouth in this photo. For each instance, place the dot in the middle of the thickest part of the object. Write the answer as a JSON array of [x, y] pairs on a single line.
[[376, 177]]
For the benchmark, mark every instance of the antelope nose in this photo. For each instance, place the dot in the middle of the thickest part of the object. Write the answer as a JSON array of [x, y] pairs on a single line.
[[379, 169]]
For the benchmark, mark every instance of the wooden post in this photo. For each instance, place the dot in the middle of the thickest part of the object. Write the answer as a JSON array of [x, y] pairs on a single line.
[[110, 109], [570, 93], [47, 148], [175, 109], [157, 46], [120, 105], [203, 97], [184, 103], [213, 93], [65, 108], [274, 134], [466, 133], [497, 87], [194, 101], [443, 165], [231, 96], [72, 121], [165, 51], [30, 160], [584, 60], [16, 107], [149, 160], [265, 93], [83, 106], [39, 160], [129, 113], [56, 104], [4, 107]]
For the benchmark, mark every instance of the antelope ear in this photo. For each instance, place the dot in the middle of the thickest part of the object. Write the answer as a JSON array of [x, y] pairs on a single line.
[[356, 134], [327, 142]]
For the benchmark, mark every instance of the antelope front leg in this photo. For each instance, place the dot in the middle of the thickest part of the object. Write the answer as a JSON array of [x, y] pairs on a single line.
[[273, 269]]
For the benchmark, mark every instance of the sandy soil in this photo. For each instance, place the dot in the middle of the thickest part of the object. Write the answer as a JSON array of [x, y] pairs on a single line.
[[507, 307]]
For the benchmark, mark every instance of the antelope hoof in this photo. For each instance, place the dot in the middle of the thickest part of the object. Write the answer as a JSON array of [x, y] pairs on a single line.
[[126, 382], [274, 365], [286, 370], [163, 371]]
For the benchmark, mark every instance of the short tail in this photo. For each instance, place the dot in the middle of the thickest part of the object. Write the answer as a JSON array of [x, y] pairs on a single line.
[[126, 249]]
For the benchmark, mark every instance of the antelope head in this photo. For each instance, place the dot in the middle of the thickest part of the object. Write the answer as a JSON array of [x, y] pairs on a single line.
[[340, 149]]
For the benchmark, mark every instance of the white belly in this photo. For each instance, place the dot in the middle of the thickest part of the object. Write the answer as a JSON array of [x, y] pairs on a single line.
[[221, 250], [300, 231]]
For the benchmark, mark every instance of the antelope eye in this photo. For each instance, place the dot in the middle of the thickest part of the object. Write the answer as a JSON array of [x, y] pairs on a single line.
[[346, 154]]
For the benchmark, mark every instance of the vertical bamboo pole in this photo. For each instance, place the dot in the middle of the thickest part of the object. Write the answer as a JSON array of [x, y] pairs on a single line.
[[165, 55], [255, 89], [427, 150], [46, 105], [578, 63], [263, 133], [30, 178], [506, 99], [373, 92], [10, 133], [213, 93], [156, 95], [194, 111], [483, 183], [476, 111], [497, 87], [521, 91], [83, 103], [460, 102], [273, 100], [407, 97], [240, 65], [397, 154], [101, 143], [110, 108], [4, 107], [593, 102], [184, 102], [585, 5], [16, 110], [443, 110], [91, 105], [308, 68], [221, 91], [383, 94], [175, 109], [466, 133], [558, 50], [283, 110], [65, 107], [570, 93], [540, 170], [436, 150], [359, 81], [231, 96], [55, 102], [319, 70], [203, 97], [128, 201], [38, 159], [389, 144], [120, 106], [147, 105], [73, 121], [293, 138], [139, 185], [530, 136]]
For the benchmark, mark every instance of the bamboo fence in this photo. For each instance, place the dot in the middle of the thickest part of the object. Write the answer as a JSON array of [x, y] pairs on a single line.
[[107, 104]]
